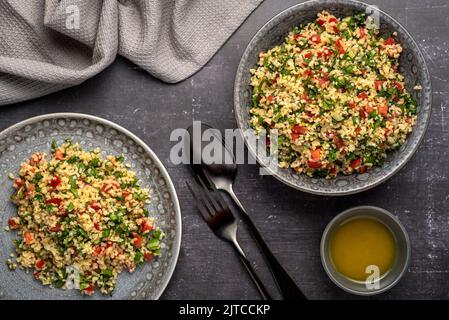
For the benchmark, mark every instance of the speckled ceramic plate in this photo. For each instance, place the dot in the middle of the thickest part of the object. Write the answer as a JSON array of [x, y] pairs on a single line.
[[412, 66], [18, 142]]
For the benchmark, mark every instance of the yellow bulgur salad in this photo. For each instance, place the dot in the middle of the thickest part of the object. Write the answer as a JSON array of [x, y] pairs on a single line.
[[333, 92], [83, 216]]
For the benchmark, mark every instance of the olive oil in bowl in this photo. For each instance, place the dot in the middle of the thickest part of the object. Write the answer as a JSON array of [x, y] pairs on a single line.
[[365, 250], [360, 244]]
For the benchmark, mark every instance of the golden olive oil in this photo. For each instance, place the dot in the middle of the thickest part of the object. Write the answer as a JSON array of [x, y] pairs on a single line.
[[360, 242]]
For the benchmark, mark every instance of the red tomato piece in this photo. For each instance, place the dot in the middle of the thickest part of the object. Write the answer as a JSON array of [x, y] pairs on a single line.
[[137, 240], [308, 55], [148, 256], [340, 47], [40, 264], [13, 223], [378, 85], [59, 154], [89, 290], [270, 99], [316, 154], [383, 109], [362, 169], [55, 201], [95, 205], [145, 226], [56, 228], [28, 237], [389, 41], [339, 143], [332, 19], [314, 164], [362, 95], [315, 38], [399, 86], [357, 162], [55, 181]]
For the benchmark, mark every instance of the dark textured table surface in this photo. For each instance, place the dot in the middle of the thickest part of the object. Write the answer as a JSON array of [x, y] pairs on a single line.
[[291, 221]]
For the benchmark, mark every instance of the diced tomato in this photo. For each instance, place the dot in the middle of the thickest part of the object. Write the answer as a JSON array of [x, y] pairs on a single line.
[[362, 113], [59, 154], [320, 22], [316, 154], [383, 109], [95, 205], [315, 38], [314, 164], [340, 47], [13, 223], [56, 228], [332, 19], [362, 169], [148, 256], [358, 130], [399, 86], [97, 251], [37, 274], [275, 80], [335, 29], [389, 41], [89, 290], [362, 95], [299, 129], [339, 143], [30, 190], [308, 55], [145, 226], [137, 240], [297, 36], [362, 32], [352, 104], [28, 237], [270, 99], [378, 85], [55, 181], [40, 264], [108, 244], [35, 159], [55, 201], [306, 98], [369, 109], [308, 73], [125, 194], [18, 183], [357, 162]]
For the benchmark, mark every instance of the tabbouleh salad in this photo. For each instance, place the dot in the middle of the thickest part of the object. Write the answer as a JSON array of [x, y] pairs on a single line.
[[334, 93], [81, 211]]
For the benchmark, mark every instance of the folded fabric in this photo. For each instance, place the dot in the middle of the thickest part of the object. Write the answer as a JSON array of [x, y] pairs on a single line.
[[49, 45]]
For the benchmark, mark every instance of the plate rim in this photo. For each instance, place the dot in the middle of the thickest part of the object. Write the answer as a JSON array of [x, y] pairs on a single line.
[[237, 106], [147, 149]]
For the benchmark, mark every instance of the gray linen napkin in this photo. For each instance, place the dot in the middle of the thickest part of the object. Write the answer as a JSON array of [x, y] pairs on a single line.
[[49, 45]]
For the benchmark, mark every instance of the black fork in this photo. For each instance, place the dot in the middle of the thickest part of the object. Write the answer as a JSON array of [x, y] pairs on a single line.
[[220, 219]]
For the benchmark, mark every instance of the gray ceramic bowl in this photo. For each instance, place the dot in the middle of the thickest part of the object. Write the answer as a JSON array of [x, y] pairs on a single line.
[[400, 264], [18, 142], [412, 66]]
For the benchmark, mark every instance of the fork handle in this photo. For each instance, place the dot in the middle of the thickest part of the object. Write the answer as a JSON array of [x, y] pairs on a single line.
[[259, 284], [288, 287]]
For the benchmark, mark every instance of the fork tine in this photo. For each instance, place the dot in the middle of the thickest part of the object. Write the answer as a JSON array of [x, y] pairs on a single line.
[[215, 192], [210, 197], [203, 210]]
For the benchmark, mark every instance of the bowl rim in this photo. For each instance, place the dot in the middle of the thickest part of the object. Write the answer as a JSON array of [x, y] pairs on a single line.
[[237, 103], [147, 149], [326, 234]]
